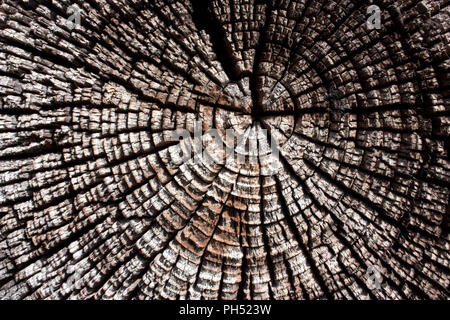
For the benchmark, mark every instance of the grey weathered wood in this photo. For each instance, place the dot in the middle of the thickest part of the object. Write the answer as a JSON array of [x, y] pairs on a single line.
[[93, 203]]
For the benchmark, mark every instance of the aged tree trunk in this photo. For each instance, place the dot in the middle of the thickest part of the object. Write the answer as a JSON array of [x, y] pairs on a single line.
[[96, 202]]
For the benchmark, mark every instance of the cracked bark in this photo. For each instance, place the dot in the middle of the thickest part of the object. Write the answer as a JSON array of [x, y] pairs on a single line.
[[94, 202]]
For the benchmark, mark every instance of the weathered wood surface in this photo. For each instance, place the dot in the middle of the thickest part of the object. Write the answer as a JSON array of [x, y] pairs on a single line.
[[95, 204]]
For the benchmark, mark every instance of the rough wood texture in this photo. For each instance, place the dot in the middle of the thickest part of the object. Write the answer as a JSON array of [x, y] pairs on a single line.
[[95, 204]]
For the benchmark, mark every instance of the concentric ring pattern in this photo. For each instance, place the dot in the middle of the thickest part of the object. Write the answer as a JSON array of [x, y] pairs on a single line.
[[95, 201]]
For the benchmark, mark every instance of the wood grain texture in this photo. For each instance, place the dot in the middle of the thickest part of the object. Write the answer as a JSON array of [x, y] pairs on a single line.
[[94, 202]]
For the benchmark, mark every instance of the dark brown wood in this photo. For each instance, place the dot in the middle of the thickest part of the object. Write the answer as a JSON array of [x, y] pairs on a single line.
[[95, 202]]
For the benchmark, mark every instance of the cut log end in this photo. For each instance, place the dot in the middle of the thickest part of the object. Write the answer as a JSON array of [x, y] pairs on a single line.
[[342, 188]]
